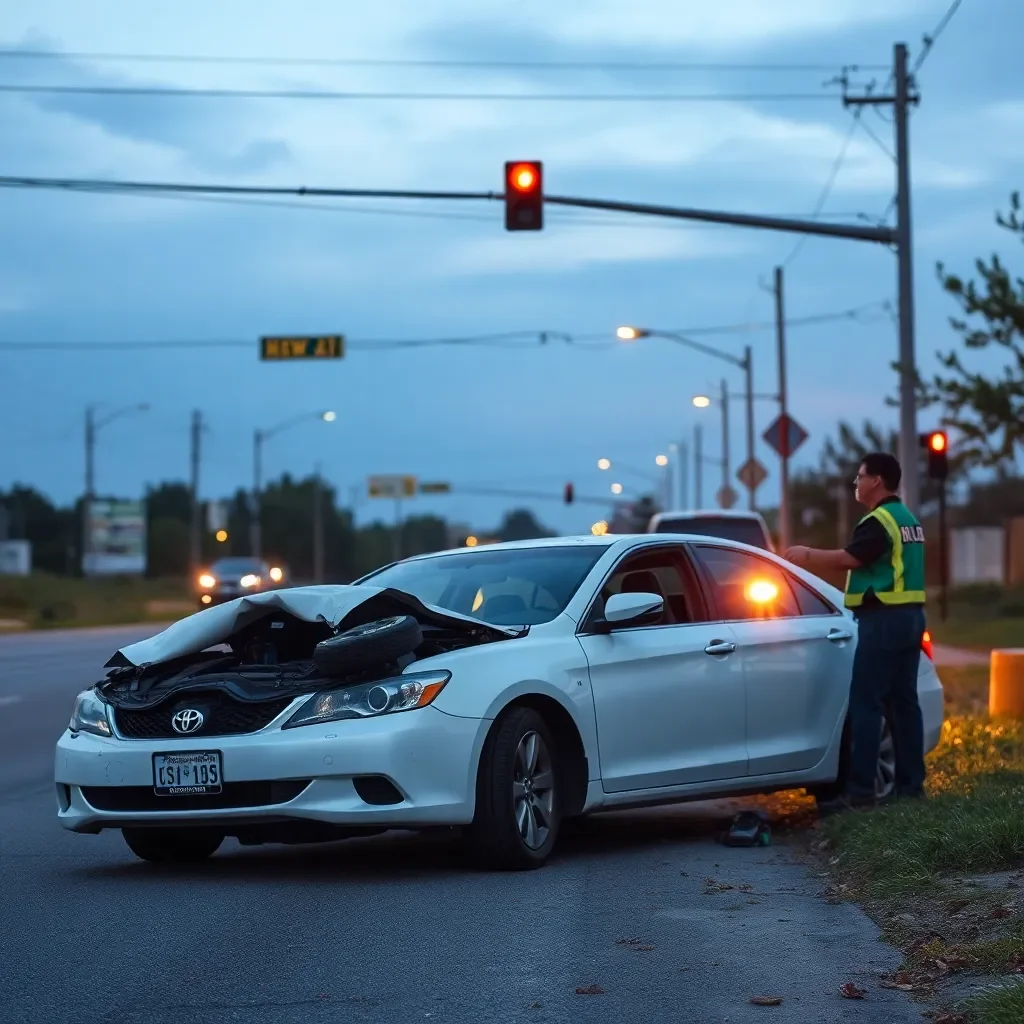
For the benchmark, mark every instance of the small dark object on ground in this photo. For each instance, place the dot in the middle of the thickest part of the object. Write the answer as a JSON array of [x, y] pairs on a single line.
[[748, 828]]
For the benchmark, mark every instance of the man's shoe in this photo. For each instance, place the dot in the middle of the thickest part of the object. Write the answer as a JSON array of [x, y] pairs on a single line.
[[847, 802]]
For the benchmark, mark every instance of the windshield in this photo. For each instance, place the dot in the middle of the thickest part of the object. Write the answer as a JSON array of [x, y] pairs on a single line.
[[746, 531], [512, 587], [241, 566]]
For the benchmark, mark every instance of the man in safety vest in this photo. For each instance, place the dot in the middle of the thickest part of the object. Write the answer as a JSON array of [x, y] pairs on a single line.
[[885, 588]]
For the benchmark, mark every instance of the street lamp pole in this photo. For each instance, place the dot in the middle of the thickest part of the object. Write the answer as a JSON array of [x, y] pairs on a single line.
[[259, 437], [725, 440], [748, 360], [92, 426], [698, 462]]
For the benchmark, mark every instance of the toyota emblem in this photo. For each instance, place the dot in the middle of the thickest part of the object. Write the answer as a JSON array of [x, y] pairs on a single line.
[[187, 720]]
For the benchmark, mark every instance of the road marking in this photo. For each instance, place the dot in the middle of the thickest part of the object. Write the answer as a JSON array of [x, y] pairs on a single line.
[[12, 699]]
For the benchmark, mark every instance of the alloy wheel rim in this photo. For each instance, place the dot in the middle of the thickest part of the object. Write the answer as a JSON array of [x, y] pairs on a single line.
[[885, 774], [533, 790]]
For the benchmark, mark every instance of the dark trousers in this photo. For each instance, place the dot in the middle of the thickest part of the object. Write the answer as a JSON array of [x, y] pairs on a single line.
[[885, 669]]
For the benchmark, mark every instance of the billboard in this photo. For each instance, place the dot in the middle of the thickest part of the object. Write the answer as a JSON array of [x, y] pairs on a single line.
[[115, 538]]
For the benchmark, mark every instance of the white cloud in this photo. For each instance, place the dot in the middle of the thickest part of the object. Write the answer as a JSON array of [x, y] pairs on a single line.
[[573, 247]]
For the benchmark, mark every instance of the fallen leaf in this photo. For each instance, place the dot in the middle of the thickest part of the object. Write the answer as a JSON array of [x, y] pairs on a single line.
[[1000, 912], [536, 1006], [850, 991], [590, 990], [950, 1018], [767, 1000]]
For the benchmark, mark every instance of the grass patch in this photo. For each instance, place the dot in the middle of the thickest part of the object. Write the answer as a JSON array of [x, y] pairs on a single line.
[[1002, 1005], [977, 631], [44, 601], [965, 690]]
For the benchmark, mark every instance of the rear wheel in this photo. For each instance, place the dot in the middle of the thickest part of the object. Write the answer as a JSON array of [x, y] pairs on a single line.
[[518, 806], [172, 845], [885, 770]]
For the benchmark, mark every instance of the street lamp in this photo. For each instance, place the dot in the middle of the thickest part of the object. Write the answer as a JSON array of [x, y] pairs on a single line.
[[259, 436], [92, 425], [616, 488], [604, 464], [746, 363]]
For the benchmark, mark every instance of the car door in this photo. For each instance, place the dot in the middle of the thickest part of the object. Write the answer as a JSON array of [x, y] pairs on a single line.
[[797, 657], [668, 697]]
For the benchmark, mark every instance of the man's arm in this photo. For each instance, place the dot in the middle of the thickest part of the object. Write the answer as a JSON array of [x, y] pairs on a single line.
[[868, 544]]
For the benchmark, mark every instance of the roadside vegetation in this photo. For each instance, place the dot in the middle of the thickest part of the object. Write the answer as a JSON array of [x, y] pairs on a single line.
[[43, 601], [944, 878]]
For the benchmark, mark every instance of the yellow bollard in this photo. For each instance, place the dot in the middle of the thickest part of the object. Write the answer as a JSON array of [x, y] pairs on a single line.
[[1006, 683]]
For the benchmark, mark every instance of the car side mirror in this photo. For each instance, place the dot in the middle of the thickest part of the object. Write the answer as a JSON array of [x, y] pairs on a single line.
[[632, 610]]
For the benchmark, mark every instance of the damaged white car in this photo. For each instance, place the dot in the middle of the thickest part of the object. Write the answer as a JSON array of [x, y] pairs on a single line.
[[502, 689]]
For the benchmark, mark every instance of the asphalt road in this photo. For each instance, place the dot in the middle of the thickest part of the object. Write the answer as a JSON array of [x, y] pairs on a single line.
[[399, 928]]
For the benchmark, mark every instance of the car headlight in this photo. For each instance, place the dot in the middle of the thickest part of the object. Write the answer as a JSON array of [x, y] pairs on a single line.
[[251, 580], [206, 580], [370, 700], [90, 715]]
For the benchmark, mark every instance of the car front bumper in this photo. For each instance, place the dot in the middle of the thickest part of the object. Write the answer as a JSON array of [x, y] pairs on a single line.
[[309, 773]]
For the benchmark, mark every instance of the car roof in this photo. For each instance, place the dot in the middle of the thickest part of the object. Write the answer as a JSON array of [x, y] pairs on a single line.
[[723, 513]]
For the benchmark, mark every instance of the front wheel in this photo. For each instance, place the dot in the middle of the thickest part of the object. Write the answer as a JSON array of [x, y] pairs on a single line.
[[518, 809], [172, 845]]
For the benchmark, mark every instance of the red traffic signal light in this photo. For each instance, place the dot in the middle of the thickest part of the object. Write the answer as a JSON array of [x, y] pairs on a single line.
[[524, 195], [569, 494], [936, 446]]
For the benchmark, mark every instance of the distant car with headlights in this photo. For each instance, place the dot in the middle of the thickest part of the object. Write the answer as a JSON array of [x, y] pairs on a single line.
[[228, 578], [502, 689]]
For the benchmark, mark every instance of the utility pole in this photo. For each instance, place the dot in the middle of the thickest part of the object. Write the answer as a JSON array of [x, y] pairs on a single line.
[[748, 366], [195, 537], [255, 525], [684, 473], [903, 97], [90, 485], [698, 463], [725, 437], [318, 527], [397, 542], [785, 515]]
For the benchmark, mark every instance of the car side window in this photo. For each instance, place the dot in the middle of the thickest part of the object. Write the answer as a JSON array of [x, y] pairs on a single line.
[[653, 572], [745, 586], [810, 603]]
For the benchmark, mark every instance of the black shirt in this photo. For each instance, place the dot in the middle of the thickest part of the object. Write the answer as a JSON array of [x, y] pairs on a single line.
[[868, 544]]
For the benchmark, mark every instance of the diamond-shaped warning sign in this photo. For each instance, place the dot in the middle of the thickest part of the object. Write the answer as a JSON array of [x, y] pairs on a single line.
[[785, 435], [752, 474]]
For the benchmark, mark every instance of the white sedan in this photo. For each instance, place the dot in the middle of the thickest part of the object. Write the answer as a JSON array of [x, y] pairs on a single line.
[[502, 688]]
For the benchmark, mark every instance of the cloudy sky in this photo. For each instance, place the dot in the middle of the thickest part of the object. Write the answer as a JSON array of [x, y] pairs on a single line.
[[88, 269]]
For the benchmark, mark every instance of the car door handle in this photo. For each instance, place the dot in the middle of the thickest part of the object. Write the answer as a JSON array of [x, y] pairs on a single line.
[[720, 647], [836, 635]]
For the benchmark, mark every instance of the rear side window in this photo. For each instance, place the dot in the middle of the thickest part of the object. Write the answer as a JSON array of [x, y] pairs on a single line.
[[745, 531], [810, 603], [747, 587]]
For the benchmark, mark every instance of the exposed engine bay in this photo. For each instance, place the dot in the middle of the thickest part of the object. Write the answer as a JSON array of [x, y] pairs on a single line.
[[278, 644]]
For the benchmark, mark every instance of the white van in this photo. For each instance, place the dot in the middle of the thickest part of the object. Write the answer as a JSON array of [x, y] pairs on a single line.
[[729, 524]]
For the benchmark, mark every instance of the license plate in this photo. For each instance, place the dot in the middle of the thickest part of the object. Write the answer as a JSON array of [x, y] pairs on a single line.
[[188, 773]]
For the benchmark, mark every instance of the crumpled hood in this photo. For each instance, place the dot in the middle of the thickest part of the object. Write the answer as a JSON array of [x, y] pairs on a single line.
[[343, 606]]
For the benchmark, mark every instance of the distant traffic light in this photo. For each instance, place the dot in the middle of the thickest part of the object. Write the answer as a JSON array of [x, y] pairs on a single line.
[[569, 494], [936, 446], [524, 195]]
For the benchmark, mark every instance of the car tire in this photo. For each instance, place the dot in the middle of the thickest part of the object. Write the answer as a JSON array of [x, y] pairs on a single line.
[[172, 845], [518, 808], [368, 645], [885, 772]]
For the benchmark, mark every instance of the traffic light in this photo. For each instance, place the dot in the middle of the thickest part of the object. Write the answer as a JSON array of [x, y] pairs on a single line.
[[569, 494], [524, 195], [936, 446]]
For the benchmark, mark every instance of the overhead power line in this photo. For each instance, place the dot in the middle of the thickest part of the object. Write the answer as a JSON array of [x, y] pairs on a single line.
[[508, 339], [329, 94], [931, 39], [379, 62]]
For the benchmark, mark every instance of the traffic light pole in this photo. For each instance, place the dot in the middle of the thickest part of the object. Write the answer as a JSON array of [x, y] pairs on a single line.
[[943, 555]]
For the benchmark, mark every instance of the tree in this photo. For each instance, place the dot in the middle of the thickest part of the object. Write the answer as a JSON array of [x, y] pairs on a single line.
[[988, 413], [521, 524]]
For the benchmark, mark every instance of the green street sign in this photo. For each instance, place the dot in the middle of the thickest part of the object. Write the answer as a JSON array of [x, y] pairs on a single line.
[[327, 346]]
